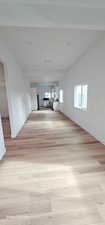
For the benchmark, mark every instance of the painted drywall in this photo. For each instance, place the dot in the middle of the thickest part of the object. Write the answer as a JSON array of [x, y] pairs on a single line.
[[89, 70], [2, 146], [43, 76], [18, 90]]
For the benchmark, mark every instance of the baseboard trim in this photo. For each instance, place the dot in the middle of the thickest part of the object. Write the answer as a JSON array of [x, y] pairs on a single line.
[[18, 132], [2, 155], [98, 139]]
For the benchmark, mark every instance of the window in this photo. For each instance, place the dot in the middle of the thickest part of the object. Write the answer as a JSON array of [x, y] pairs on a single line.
[[84, 96], [61, 96], [47, 95], [53, 94], [77, 96], [80, 96]]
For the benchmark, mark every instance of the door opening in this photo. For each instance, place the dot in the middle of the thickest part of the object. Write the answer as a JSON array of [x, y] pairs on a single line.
[[4, 111]]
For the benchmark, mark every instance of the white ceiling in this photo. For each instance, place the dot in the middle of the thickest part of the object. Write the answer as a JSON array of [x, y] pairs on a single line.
[[48, 36], [46, 50], [86, 3], [89, 14], [89, 3]]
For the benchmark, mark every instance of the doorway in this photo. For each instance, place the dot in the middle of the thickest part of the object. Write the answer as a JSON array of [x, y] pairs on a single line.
[[4, 112], [45, 97]]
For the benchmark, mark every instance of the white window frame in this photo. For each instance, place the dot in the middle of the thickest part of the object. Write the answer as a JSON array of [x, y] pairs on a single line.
[[47, 95], [79, 96], [61, 96]]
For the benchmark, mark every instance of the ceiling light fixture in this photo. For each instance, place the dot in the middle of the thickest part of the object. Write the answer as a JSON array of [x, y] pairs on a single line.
[[68, 43], [28, 42], [47, 60]]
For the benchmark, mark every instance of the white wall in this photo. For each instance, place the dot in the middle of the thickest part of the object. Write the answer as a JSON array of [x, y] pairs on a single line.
[[18, 91], [2, 146], [89, 70]]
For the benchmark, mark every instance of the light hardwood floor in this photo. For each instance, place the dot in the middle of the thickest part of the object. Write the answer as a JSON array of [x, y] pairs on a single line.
[[6, 127], [53, 174]]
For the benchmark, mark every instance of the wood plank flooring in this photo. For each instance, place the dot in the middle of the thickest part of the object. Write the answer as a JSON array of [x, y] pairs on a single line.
[[53, 174], [6, 127]]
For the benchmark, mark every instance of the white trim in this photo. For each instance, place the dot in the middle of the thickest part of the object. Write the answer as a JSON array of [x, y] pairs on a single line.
[[3, 154]]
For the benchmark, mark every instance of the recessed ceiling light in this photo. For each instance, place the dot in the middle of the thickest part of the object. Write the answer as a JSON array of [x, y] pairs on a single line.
[[68, 43], [28, 42], [47, 60]]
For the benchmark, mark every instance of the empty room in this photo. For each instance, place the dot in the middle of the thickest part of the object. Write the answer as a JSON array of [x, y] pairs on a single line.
[[52, 112]]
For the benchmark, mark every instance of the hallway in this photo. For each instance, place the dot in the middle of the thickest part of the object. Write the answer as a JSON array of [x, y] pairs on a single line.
[[53, 174]]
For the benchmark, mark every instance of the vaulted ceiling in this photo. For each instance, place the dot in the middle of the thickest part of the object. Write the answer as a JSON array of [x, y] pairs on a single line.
[[47, 37]]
